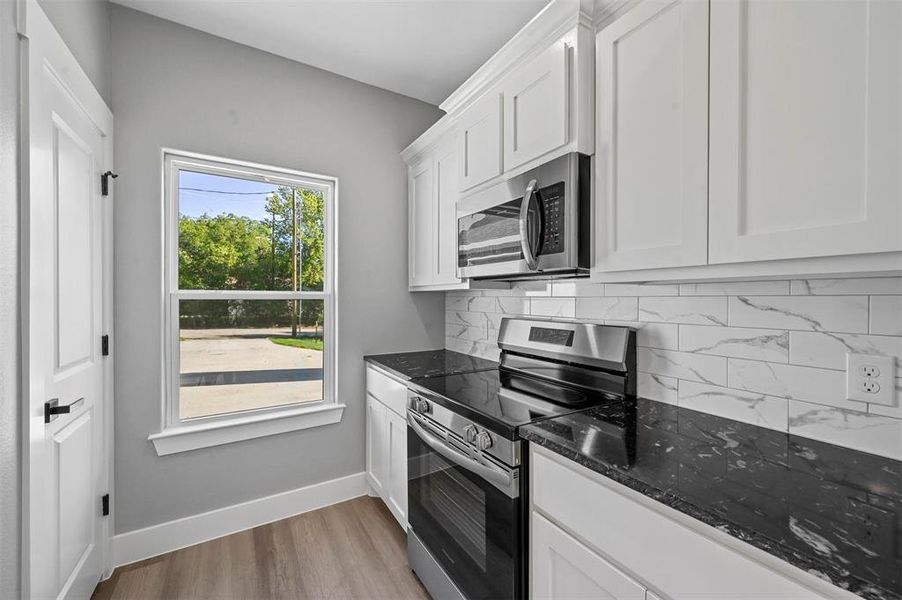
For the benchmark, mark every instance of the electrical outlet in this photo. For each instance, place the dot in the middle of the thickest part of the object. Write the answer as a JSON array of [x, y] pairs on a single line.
[[871, 378]]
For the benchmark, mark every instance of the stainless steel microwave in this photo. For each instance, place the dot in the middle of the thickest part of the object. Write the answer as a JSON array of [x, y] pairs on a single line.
[[533, 225]]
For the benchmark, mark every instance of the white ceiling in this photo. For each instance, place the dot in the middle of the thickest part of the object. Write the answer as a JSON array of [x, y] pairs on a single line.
[[419, 48]]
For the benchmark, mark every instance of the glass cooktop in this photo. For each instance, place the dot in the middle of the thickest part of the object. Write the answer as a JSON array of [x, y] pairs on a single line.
[[501, 401]]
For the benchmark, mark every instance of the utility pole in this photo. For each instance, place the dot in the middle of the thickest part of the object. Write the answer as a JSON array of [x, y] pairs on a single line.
[[295, 308]]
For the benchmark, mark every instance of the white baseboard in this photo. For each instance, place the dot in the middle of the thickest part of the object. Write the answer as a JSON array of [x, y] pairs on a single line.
[[158, 539]]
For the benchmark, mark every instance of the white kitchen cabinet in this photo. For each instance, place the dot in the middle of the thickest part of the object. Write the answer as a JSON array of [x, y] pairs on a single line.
[[535, 106], [806, 129], [479, 131], [594, 530], [432, 215], [386, 441], [565, 569], [778, 158], [652, 148], [446, 190], [396, 444], [376, 445], [422, 212]]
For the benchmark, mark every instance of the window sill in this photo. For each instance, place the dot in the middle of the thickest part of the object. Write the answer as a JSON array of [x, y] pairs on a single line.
[[191, 437]]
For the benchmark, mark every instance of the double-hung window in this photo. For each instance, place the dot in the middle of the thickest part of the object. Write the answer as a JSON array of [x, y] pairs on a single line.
[[249, 301]]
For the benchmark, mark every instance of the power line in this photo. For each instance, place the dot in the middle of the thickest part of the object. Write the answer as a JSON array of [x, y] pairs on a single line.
[[188, 189]]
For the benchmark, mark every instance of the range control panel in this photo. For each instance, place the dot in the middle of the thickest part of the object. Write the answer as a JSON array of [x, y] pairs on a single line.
[[552, 201]]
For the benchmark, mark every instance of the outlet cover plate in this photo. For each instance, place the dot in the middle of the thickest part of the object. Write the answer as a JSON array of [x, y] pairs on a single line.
[[858, 369]]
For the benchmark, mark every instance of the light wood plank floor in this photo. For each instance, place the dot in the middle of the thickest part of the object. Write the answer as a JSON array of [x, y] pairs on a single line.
[[350, 550]]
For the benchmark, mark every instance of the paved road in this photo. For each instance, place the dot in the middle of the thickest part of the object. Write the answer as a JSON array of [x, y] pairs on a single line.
[[228, 370]]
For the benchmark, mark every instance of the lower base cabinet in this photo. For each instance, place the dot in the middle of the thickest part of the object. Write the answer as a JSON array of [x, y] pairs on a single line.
[[386, 442], [594, 538], [396, 442], [563, 567]]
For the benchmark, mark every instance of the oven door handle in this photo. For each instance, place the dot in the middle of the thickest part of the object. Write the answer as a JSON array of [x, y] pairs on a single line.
[[525, 245], [494, 475]]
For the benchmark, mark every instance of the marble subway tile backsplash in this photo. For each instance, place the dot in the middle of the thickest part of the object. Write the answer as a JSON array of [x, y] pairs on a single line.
[[770, 353]]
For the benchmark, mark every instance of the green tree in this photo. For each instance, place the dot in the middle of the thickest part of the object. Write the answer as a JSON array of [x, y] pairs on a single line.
[[228, 251]]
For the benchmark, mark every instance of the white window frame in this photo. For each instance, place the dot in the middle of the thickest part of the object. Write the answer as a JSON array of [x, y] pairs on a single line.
[[177, 435]]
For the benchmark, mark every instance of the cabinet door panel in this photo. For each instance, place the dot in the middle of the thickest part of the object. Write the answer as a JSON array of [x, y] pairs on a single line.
[[806, 129], [421, 255], [446, 189], [651, 151], [480, 141], [535, 107], [564, 568], [397, 467], [376, 455]]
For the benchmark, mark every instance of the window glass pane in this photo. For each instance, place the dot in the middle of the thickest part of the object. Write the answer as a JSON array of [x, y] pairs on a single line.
[[237, 234], [311, 225], [239, 355]]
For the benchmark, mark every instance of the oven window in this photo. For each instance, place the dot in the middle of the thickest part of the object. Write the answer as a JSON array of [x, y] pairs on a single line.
[[452, 499]]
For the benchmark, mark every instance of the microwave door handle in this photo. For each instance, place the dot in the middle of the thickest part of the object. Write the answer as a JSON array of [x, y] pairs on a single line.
[[494, 475], [525, 246]]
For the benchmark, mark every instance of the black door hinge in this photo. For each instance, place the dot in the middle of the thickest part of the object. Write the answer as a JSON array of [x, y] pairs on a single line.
[[105, 345], [105, 505], [105, 182]]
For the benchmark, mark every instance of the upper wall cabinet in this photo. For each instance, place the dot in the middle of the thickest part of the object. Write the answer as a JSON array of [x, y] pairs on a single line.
[[778, 157], [652, 149], [422, 211], [806, 137], [432, 188], [479, 128], [531, 102], [535, 107], [446, 171]]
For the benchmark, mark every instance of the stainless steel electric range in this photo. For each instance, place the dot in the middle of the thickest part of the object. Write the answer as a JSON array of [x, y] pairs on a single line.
[[467, 486]]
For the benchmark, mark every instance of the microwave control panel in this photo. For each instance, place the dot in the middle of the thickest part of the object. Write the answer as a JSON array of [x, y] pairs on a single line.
[[552, 201]]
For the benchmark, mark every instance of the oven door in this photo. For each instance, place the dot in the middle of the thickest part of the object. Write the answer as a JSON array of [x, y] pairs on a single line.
[[465, 511]]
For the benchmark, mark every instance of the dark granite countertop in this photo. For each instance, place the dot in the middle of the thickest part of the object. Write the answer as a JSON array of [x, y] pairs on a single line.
[[429, 363], [831, 511]]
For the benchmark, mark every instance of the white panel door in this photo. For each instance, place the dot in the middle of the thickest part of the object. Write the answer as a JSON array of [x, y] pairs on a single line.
[[397, 466], [565, 569], [535, 107], [806, 128], [652, 145], [446, 190], [421, 206], [376, 445], [479, 128], [68, 131]]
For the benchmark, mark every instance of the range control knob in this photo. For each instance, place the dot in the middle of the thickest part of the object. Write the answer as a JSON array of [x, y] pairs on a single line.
[[420, 405], [484, 440], [470, 434]]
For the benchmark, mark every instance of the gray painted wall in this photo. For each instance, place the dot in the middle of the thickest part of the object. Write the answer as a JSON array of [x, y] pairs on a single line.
[[85, 27], [180, 88], [10, 477]]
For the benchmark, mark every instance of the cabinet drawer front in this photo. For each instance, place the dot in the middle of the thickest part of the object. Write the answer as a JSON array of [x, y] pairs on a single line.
[[670, 557], [564, 568], [390, 392]]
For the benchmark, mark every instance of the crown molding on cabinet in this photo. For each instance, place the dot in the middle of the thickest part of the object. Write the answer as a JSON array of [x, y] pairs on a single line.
[[431, 138], [558, 17]]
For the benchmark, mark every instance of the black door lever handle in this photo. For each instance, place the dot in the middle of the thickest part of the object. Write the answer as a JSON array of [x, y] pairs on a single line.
[[54, 408]]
